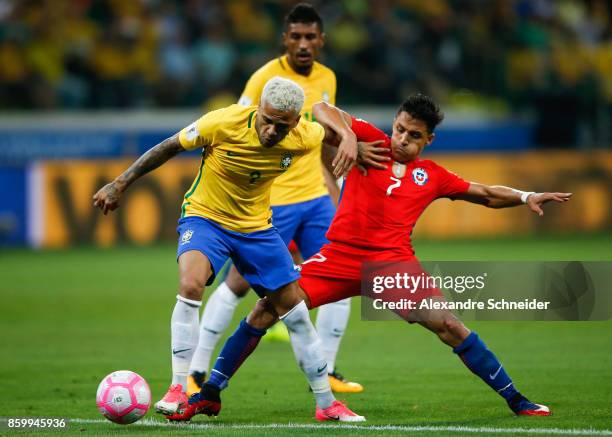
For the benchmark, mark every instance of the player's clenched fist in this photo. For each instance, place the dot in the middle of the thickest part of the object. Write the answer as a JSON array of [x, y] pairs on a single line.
[[107, 197]]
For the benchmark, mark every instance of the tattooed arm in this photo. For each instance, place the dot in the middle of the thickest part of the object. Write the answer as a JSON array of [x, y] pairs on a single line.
[[107, 198]]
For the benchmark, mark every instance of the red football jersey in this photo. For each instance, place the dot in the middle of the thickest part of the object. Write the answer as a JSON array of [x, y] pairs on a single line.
[[379, 211]]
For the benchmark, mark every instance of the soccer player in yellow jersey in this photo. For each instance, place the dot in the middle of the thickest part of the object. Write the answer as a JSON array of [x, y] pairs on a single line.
[[226, 214], [301, 204]]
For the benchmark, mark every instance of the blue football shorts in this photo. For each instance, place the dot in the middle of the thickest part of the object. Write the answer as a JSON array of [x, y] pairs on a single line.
[[305, 222], [261, 257]]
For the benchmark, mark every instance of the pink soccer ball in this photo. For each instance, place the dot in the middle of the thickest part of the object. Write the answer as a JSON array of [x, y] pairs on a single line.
[[123, 397]]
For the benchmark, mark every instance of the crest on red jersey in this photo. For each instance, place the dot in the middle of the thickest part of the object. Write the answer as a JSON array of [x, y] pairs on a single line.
[[399, 169], [420, 176]]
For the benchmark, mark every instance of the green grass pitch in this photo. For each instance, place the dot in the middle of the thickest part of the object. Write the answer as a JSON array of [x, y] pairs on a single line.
[[68, 318]]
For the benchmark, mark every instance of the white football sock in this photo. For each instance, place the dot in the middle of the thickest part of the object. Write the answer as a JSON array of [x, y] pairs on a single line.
[[307, 348], [217, 316], [184, 337], [331, 324]]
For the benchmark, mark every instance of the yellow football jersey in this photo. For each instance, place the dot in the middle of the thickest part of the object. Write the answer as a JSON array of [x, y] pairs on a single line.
[[233, 185], [304, 181]]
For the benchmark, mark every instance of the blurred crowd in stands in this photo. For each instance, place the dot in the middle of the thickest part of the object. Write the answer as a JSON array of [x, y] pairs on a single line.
[[551, 57]]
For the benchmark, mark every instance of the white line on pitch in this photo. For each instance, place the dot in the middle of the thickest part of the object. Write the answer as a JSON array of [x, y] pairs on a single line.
[[404, 428]]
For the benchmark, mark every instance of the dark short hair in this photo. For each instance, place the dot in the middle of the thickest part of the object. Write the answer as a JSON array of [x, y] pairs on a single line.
[[303, 13], [422, 108]]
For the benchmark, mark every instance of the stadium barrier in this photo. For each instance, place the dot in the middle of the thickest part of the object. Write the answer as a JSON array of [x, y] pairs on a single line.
[[13, 205], [60, 211], [103, 135]]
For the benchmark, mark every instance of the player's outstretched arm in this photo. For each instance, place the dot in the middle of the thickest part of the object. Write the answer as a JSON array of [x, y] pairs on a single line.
[[498, 196], [107, 198]]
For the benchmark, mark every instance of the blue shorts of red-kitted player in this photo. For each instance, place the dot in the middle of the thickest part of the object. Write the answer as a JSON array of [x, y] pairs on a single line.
[[261, 257]]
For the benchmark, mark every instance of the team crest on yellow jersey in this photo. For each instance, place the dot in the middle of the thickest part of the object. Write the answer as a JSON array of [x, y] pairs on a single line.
[[286, 160]]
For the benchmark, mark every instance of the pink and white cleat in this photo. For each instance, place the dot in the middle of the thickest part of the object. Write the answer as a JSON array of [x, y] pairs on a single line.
[[338, 412], [174, 400]]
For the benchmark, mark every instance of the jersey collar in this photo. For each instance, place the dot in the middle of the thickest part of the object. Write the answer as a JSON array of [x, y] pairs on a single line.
[[251, 126], [284, 61], [251, 119]]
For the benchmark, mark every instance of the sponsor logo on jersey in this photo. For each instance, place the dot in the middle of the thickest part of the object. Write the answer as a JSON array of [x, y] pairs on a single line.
[[420, 176], [186, 237], [286, 159], [399, 169]]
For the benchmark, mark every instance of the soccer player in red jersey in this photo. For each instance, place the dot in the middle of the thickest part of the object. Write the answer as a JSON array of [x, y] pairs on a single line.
[[374, 221]]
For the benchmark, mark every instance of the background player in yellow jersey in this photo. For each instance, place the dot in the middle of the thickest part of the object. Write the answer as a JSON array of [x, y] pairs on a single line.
[[301, 204], [226, 214]]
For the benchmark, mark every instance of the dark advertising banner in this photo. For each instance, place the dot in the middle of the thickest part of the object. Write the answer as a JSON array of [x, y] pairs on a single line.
[[62, 214]]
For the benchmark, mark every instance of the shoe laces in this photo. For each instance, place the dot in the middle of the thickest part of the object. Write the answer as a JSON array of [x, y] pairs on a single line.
[[338, 406], [175, 388]]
